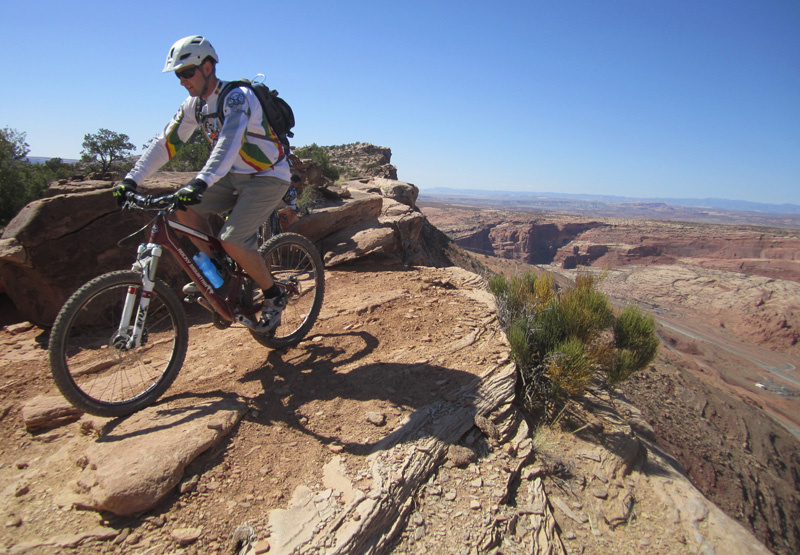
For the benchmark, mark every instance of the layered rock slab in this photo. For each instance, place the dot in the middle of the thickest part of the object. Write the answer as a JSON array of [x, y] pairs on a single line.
[[140, 462]]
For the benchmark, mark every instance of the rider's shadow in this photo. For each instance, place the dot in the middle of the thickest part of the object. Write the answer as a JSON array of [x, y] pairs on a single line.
[[317, 372]]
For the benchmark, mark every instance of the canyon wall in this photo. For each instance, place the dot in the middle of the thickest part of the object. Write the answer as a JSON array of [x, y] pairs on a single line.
[[573, 242]]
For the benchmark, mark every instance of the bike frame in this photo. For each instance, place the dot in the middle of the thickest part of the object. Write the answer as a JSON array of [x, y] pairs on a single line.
[[164, 235], [161, 233]]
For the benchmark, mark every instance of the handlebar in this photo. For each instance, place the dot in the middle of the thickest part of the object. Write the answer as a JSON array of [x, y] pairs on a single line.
[[170, 202]]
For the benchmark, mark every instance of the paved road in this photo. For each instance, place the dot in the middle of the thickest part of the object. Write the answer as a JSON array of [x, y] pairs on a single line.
[[782, 371]]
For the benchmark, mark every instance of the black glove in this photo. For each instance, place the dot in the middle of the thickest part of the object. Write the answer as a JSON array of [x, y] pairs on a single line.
[[192, 192], [121, 191]]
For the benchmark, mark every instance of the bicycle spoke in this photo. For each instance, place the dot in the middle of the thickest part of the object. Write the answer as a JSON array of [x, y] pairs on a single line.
[[91, 355], [294, 261]]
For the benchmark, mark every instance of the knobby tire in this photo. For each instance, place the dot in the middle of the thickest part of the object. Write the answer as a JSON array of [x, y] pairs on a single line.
[[100, 378], [292, 257]]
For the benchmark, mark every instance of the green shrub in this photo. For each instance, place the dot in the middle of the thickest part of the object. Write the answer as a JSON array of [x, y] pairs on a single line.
[[319, 155], [586, 312], [522, 295], [498, 285], [21, 181], [548, 330], [517, 334], [636, 342], [306, 199], [561, 340], [569, 368]]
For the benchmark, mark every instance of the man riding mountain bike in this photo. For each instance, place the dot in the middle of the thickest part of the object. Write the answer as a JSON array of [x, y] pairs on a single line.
[[246, 172]]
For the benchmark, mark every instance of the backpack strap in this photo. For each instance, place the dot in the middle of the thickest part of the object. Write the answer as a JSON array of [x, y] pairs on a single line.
[[219, 113]]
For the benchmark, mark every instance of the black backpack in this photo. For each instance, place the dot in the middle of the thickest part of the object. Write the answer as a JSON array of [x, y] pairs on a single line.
[[278, 112]]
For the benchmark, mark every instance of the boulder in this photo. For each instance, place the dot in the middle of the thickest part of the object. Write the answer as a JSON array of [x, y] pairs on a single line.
[[408, 227], [351, 244], [373, 218], [400, 191], [143, 459], [338, 214], [56, 244]]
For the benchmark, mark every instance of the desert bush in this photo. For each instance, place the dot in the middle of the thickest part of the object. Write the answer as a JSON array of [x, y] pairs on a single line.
[[636, 342], [318, 154], [569, 369], [522, 295], [562, 340], [517, 333], [586, 311], [306, 199]]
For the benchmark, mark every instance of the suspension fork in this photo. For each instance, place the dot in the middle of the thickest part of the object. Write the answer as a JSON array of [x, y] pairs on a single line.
[[147, 258]]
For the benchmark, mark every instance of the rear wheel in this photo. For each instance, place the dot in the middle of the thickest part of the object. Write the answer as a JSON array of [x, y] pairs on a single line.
[[90, 360], [296, 265]]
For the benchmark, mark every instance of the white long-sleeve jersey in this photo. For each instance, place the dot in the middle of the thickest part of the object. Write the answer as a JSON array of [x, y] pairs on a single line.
[[244, 144]]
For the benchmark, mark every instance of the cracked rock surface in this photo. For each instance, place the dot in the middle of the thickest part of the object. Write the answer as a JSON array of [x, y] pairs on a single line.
[[391, 429]]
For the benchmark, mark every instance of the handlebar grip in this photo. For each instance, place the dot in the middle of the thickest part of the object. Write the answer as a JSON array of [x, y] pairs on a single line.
[[148, 201]]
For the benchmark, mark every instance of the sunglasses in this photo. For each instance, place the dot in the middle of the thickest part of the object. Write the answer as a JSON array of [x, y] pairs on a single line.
[[187, 73]]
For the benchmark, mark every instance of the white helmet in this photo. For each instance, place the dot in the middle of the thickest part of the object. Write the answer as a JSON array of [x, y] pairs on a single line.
[[189, 51]]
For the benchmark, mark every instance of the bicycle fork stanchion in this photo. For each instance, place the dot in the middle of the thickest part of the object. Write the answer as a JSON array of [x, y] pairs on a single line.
[[146, 263]]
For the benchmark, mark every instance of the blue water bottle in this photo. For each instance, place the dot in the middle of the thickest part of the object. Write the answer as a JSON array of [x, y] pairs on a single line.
[[209, 270]]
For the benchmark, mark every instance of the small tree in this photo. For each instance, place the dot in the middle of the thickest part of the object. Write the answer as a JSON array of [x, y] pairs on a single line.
[[56, 168], [20, 181], [14, 170], [106, 145]]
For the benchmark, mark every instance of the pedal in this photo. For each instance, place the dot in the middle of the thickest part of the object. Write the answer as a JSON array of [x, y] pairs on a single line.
[[190, 289]]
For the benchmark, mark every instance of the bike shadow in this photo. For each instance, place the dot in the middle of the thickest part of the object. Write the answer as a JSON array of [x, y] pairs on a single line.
[[162, 416], [335, 367], [297, 381]]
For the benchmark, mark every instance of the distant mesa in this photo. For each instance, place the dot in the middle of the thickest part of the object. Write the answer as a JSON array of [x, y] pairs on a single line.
[[575, 200], [43, 159]]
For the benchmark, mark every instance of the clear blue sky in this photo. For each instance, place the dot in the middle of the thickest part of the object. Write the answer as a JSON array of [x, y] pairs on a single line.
[[642, 98]]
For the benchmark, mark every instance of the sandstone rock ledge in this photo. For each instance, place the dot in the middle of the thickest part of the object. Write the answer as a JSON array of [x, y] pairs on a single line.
[[56, 244], [340, 518], [462, 474], [431, 493]]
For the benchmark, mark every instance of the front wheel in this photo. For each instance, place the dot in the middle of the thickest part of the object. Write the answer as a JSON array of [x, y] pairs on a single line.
[[295, 265], [91, 359]]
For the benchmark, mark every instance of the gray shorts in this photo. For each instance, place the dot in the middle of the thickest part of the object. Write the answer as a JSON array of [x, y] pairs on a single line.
[[250, 199]]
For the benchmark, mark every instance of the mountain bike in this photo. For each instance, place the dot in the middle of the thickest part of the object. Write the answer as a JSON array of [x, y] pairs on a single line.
[[120, 340]]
